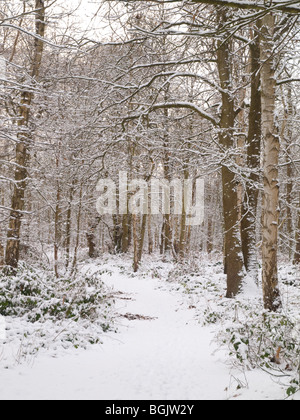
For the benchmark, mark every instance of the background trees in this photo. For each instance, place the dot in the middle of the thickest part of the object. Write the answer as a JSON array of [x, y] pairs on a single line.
[[181, 90]]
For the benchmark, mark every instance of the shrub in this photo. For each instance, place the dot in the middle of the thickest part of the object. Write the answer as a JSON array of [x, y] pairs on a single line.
[[37, 295], [269, 341]]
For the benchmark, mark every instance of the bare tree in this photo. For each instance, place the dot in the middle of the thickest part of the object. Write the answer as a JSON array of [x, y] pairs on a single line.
[[270, 167], [24, 141]]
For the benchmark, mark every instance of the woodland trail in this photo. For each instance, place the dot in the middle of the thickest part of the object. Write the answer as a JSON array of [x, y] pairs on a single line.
[[159, 353]]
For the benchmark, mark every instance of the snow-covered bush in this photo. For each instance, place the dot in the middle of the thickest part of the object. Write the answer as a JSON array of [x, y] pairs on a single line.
[[254, 338], [266, 340], [36, 296]]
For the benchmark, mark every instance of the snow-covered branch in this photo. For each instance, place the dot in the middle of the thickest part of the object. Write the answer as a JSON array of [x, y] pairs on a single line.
[[291, 6]]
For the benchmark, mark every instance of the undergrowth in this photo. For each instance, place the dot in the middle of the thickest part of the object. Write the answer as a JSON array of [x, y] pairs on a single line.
[[253, 337], [72, 311]]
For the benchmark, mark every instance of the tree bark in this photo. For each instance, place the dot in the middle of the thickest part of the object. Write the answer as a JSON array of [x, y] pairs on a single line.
[[135, 243], [183, 224], [142, 237], [22, 148], [77, 242], [69, 225], [272, 301], [57, 228], [297, 252], [167, 231], [150, 235], [91, 239], [1, 256], [253, 144], [289, 173], [234, 264], [118, 233], [125, 230]]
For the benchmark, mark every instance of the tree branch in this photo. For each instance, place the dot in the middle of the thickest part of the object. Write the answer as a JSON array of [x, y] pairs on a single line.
[[283, 6]]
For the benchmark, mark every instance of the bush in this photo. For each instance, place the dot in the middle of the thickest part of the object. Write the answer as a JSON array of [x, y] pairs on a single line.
[[36, 295], [269, 341], [253, 338]]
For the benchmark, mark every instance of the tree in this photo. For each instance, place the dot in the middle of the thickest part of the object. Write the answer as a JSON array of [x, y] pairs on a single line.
[[286, 6], [185, 90], [297, 237], [270, 167], [253, 145], [24, 141], [234, 263]]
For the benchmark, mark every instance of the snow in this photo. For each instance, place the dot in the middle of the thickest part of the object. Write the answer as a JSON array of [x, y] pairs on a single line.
[[160, 352], [2, 328]]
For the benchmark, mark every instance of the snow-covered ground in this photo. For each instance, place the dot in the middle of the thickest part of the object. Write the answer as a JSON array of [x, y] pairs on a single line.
[[159, 352]]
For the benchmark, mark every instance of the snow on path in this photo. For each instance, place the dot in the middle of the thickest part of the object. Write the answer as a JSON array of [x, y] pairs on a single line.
[[165, 358], [169, 357]]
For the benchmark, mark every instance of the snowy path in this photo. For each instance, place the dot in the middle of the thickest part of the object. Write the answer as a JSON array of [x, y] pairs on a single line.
[[169, 357], [165, 358]]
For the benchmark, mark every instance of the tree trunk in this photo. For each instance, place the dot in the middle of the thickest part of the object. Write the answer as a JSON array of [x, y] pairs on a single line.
[[20, 177], [297, 252], [91, 240], [167, 231], [234, 264], [118, 233], [57, 229], [22, 148], [77, 242], [253, 163], [69, 225], [1, 256], [142, 237], [289, 173], [125, 230], [135, 243], [183, 223], [271, 292], [150, 236]]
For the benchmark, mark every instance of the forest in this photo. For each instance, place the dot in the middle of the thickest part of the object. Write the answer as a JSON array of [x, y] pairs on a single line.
[[151, 139]]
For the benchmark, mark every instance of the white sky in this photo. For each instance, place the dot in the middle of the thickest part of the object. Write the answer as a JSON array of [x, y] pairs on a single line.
[[89, 15]]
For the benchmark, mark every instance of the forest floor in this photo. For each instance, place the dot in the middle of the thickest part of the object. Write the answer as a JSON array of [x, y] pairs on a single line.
[[164, 346]]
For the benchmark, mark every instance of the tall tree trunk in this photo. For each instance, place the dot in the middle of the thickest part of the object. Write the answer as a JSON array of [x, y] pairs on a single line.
[[69, 225], [167, 230], [125, 230], [57, 229], [297, 252], [253, 163], [289, 173], [150, 235], [77, 242], [135, 242], [183, 223], [22, 148], [91, 239], [234, 264], [271, 292], [142, 237], [142, 232], [1, 256]]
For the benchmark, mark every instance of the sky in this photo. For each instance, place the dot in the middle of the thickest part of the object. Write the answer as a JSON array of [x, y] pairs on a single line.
[[89, 15]]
